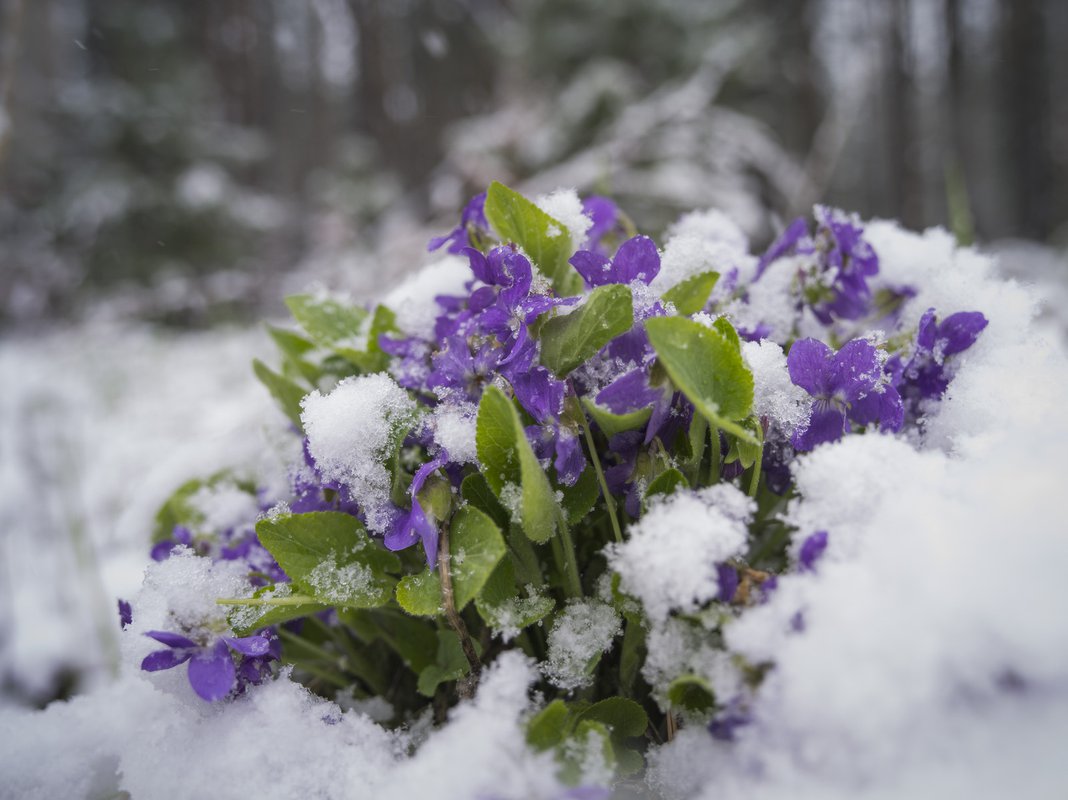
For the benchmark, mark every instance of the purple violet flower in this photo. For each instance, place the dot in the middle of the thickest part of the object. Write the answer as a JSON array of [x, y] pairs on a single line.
[[605, 216], [840, 251], [125, 613], [413, 526], [926, 375], [637, 259], [212, 672], [849, 388], [728, 582], [562, 445], [811, 551], [472, 221]]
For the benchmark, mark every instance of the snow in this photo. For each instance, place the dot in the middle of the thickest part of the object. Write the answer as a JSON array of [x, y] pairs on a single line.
[[932, 659], [774, 395], [454, 429], [565, 207], [413, 301], [698, 242], [99, 425], [341, 584], [684, 535], [581, 633], [351, 432]]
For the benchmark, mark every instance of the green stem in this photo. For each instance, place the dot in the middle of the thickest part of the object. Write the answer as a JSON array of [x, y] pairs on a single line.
[[465, 687], [564, 550], [754, 480], [714, 468], [609, 500], [292, 600]]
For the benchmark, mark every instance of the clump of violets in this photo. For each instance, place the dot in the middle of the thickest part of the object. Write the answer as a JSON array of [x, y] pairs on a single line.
[[562, 392]]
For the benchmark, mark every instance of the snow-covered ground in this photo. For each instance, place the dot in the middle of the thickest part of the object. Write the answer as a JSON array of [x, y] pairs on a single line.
[[100, 424], [933, 660]]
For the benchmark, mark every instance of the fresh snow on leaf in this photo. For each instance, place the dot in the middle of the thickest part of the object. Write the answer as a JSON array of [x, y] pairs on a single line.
[[580, 634]]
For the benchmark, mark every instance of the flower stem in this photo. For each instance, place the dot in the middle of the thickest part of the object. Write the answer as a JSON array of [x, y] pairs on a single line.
[[609, 500], [754, 481], [465, 686], [714, 457], [564, 551], [291, 600]]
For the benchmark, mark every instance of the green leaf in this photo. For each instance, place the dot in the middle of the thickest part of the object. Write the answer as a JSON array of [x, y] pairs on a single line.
[[611, 424], [580, 499], [286, 392], [420, 594], [275, 616], [328, 322], [329, 556], [723, 325], [632, 653], [691, 693], [590, 743], [294, 348], [741, 450], [449, 665], [706, 367], [477, 547], [543, 238], [374, 358], [570, 340], [667, 482], [478, 493], [510, 467], [501, 607], [549, 727], [691, 295], [625, 718], [178, 509]]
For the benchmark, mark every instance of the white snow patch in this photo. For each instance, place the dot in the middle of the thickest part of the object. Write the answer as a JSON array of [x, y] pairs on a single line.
[[413, 301], [774, 395], [582, 632], [350, 433], [454, 429], [684, 535], [565, 206]]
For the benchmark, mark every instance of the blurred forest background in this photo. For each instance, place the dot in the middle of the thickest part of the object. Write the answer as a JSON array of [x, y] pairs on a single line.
[[170, 169], [199, 155]]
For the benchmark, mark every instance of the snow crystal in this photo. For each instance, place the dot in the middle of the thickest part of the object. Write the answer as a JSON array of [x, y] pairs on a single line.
[[482, 752], [676, 647], [772, 299], [454, 429], [413, 301], [684, 535], [699, 242], [351, 432], [340, 584], [504, 617], [710, 225], [774, 395], [582, 632], [225, 506], [565, 207]]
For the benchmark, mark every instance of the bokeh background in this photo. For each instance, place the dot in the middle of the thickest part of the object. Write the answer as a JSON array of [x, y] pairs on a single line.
[[169, 170]]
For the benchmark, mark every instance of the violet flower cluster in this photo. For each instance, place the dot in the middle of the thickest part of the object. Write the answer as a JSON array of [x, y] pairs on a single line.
[[569, 384]]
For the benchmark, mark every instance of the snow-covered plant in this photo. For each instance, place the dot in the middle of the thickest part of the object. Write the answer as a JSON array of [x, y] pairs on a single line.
[[562, 440]]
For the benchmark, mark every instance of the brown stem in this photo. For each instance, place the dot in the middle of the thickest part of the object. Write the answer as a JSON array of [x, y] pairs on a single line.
[[466, 685]]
